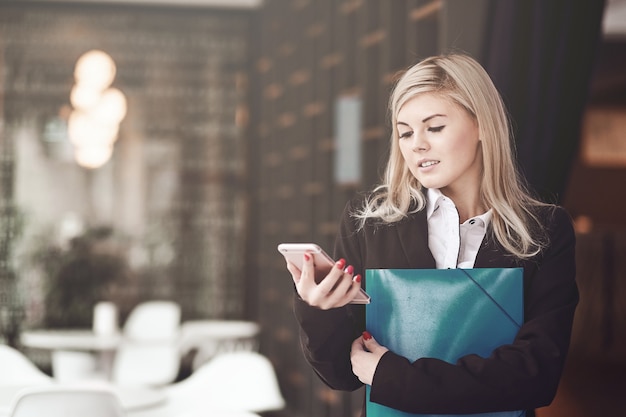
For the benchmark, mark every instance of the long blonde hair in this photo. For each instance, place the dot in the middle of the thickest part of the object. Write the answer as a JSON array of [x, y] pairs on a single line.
[[461, 79]]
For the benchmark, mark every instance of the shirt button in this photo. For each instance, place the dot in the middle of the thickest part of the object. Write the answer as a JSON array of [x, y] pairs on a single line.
[[472, 221]]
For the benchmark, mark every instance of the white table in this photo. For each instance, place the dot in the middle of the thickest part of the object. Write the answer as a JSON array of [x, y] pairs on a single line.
[[210, 337], [102, 346], [70, 339]]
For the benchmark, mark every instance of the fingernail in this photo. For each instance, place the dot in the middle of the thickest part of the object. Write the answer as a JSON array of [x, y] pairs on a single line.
[[366, 335], [350, 269], [357, 278], [341, 263], [307, 257]]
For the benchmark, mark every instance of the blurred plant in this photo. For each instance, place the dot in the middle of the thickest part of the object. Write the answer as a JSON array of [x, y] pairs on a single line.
[[11, 306], [77, 277]]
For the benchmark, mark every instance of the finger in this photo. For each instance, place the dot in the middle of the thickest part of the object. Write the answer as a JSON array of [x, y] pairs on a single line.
[[354, 286], [357, 346], [369, 341], [344, 283], [372, 344], [331, 280], [345, 290], [347, 287], [307, 278]]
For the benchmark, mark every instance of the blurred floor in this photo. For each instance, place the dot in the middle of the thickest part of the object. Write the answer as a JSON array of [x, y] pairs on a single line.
[[590, 388]]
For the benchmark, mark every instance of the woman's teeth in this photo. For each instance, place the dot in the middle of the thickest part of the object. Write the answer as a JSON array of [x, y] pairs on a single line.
[[428, 163]]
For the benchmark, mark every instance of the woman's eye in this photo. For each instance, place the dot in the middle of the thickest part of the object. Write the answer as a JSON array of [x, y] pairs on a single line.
[[405, 134], [436, 129]]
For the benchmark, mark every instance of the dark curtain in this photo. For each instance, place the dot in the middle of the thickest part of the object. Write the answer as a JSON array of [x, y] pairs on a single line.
[[540, 55]]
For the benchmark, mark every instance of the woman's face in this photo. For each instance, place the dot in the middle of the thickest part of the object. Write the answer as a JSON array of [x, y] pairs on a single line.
[[439, 143]]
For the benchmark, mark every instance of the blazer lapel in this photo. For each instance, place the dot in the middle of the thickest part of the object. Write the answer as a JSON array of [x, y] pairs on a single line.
[[492, 255], [413, 236]]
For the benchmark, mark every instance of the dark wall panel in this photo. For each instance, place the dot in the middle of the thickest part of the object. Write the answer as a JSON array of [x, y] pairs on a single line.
[[309, 54]]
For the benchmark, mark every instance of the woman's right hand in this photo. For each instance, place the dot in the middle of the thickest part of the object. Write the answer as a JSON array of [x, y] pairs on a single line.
[[337, 289]]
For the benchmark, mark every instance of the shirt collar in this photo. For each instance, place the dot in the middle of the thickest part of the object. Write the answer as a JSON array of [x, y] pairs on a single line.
[[434, 196], [485, 217], [432, 200]]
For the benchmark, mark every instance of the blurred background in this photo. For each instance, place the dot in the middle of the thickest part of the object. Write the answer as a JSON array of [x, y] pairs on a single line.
[[155, 149]]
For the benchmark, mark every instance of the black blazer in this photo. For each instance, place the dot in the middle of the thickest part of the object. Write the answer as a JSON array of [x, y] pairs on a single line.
[[521, 376]]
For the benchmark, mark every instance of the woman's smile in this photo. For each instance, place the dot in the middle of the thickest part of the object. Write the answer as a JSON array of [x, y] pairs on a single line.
[[427, 163]]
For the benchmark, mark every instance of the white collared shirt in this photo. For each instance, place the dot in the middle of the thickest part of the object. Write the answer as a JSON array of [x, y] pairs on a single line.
[[453, 245]]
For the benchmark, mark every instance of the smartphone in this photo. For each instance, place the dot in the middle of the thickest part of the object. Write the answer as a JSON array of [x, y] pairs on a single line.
[[294, 253]]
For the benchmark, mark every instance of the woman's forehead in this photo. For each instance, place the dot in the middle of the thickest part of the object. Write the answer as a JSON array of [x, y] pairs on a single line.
[[426, 103]]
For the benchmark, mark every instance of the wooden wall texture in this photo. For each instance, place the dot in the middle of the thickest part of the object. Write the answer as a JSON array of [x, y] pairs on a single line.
[[176, 193], [309, 54]]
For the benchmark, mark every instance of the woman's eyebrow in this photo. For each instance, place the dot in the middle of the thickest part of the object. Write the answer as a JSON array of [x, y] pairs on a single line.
[[399, 122], [432, 116]]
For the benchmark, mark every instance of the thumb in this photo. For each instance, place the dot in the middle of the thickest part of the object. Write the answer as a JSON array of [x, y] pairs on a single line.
[[372, 344], [369, 340]]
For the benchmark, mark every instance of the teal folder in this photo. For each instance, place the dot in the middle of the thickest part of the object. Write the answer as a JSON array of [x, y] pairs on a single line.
[[444, 314]]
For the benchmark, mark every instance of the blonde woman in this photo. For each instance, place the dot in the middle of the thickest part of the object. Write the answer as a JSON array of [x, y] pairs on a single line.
[[451, 197]]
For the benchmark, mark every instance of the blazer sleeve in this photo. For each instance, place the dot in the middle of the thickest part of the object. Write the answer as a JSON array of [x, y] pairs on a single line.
[[326, 336], [521, 376]]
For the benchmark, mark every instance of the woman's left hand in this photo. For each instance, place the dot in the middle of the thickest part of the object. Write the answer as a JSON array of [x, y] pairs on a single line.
[[365, 355]]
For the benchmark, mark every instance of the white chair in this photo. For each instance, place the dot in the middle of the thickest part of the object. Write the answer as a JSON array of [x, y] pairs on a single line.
[[18, 369], [241, 381], [149, 354], [59, 401], [146, 363], [153, 321]]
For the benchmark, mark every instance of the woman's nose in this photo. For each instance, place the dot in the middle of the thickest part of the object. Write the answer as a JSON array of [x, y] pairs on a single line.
[[420, 143]]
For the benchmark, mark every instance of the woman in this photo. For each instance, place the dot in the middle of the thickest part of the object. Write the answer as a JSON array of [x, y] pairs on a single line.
[[451, 198]]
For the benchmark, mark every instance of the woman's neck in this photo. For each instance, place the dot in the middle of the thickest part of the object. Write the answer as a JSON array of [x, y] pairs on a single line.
[[468, 203]]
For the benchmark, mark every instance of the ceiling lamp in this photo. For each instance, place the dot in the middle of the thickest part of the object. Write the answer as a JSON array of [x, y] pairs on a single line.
[[98, 109], [95, 69], [93, 156]]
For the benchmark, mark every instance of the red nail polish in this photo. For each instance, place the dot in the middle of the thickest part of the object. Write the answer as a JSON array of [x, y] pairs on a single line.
[[341, 263], [350, 269], [307, 257], [357, 278], [366, 335]]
